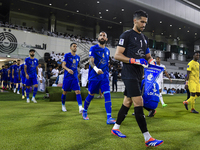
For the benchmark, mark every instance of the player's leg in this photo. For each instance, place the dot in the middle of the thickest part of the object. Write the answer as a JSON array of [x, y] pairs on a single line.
[[160, 96], [67, 86], [63, 99], [76, 88], [35, 89], [105, 88], [192, 89], [93, 87], [79, 100], [15, 83], [41, 85], [121, 116]]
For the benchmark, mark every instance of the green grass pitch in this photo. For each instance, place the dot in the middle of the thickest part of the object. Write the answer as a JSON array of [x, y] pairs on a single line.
[[44, 126]]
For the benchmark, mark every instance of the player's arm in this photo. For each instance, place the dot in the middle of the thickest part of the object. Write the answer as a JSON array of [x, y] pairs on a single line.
[[97, 70], [25, 70], [64, 67], [13, 73], [187, 78], [37, 70], [8, 73], [167, 75], [19, 73], [121, 57]]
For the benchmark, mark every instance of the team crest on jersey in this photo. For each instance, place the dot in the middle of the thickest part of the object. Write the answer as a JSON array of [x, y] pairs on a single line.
[[121, 42], [77, 59], [74, 61], [107, 53], [103, 55], [149, 77], [140, 52]]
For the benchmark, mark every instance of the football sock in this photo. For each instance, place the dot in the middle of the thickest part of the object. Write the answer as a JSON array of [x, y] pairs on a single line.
[[122, 114], [147, 136], [14, 86], [41, 86], [18, 86], [22, 90], [161, 99], [140, 118], [116, 126], [5, 85], [27, 92], [35, 91], [108, 104], [63, 98], [188, 94], [79, 99], [87, 102]]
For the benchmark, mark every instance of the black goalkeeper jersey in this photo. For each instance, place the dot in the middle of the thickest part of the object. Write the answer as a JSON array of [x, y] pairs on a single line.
[[135, 45]]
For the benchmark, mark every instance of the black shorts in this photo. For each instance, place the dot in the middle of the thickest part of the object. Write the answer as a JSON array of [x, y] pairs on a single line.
[[132, 87]]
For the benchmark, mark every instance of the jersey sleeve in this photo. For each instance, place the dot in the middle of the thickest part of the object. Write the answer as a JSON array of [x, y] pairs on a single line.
[[65, 58], [147, 51], [189, 67], [26, 62], [123, 39], [91, 52]]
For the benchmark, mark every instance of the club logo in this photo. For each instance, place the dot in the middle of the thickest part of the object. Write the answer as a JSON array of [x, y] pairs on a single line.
[[8, 42], [149, 77], [140, 52]]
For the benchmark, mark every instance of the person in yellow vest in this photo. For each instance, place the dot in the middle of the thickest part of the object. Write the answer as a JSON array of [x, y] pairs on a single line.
[[192, 81]]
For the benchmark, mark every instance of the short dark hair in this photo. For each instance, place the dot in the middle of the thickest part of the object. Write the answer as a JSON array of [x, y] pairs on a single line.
[[196, 52], [72, 44], [18, 60], [31, 50], [157, 57], [14, 61], [2, 66], [140, 13]]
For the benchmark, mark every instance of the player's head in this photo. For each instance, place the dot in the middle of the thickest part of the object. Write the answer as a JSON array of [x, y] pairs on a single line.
[[14, 62], [39, 65], [102, 38], [2, 66], [32, 52], [196, 55], [140, 19], [73, 47], [6, 66], [87, 66], [157, 60], [18, 62]]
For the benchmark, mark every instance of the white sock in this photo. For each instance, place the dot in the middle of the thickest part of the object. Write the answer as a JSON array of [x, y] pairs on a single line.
[[116, 126], [80, 107], [42, 86], [147, 136], [161, 99]]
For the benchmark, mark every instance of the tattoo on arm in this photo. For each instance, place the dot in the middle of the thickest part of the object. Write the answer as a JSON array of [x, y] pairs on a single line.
[[91, 62]]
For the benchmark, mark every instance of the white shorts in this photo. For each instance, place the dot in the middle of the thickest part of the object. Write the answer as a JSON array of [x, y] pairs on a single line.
[[84, 83], [160, 85]]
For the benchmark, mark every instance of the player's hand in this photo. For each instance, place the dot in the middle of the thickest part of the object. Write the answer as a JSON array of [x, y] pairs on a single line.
[[100, 71], [70, 71], [8, 76], [141, 62], [152, 61], [186, 87], [27, 76], [12, 76]]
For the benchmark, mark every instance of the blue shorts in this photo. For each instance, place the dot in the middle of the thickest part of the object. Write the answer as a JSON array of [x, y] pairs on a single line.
[[5, 78], [31, 81], [16, 80], [94, 86], [11, 79], [69, 85], [23, 79], [151, 104]]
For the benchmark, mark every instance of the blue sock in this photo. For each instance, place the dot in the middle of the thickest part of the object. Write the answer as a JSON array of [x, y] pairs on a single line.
[[18, 86], [35, 91], [22, 90], [79, 99], [108, 103], [12, 85], [63, 98], [27, 92], [4, 84], [87, 102], [15, 86]]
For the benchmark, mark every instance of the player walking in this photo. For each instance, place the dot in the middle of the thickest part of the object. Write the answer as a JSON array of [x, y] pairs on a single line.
[[99, 76]]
